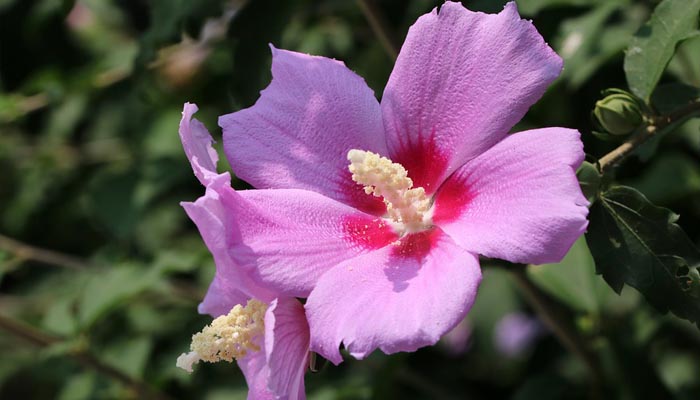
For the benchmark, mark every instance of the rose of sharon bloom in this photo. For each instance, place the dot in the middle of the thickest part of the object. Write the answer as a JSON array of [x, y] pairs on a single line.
[[266, 332], [378, 212]]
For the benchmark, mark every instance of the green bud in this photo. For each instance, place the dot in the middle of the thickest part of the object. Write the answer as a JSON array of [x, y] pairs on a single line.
[[618, 113]]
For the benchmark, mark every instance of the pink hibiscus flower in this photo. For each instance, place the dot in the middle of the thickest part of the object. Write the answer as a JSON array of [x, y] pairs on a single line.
[[267, 333], [377, 212]]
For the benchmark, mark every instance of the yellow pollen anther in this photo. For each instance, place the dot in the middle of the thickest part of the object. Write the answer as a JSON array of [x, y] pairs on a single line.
[[229, 336], [382, 178]]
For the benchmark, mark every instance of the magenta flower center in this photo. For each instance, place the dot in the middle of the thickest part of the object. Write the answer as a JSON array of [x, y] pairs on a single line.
[[408, 208]]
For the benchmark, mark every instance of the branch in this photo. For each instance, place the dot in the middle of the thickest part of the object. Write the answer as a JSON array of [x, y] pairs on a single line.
[[659, 125], [42, 339], [379, 26], [28, 252], [560, 326]]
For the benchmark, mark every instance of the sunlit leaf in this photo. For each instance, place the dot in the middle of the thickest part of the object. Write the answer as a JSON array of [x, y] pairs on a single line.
[[107, 289], [574, 282], [654, 44]]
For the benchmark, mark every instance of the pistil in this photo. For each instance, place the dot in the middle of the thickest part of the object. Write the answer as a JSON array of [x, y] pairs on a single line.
[[228, 337], [406, 206]]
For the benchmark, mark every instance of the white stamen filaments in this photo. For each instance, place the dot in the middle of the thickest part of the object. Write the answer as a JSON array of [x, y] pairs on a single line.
[[229, 337], [405, 204]]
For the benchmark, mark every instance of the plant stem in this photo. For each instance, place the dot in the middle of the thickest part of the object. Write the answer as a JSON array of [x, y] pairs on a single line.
[[27, 252], [660, 124], [560, 326], [379, 26], [42, 339]]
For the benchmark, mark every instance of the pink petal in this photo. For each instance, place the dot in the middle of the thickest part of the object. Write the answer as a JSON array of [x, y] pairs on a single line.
[[287, 347], [398, 298], [211, 216], [299, 132], [519, 201], [221, 297], [198, 146], [461, 81], [257, 374], [289, 237]]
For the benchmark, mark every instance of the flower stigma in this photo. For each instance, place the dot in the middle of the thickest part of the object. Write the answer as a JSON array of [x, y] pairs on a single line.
[[228, 337], [406, 206]]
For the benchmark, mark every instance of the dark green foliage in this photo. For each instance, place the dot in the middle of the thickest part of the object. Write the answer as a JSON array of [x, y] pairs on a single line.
[[636, 243], [92, 168]]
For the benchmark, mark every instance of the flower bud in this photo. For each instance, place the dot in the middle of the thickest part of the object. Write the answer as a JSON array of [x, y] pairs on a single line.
[[618, 113]]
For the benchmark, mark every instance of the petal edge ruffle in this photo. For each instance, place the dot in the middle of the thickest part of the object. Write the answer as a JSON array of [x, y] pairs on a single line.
[[298, 133], [460, 83], [519, 201], [398, 298]]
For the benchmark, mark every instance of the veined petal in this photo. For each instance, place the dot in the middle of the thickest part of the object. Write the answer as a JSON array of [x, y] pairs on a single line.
[[299, 132], [398, 298], [461, 81], [257, 376], [287, 347], [197, 143], [520, 201], [221, 297], [211, 216], [287, 238]]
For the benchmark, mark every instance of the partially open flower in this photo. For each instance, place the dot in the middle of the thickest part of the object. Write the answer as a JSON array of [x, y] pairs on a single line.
[[264, 331]]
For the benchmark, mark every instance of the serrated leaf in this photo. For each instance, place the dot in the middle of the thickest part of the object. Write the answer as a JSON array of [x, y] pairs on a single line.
[[654, 44], [636, 243]]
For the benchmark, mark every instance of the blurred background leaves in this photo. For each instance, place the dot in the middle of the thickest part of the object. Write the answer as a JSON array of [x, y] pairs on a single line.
[[101, 271]]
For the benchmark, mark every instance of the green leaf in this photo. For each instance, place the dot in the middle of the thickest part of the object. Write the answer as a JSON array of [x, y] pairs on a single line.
[[107, 289], [497, 298], [79, 387], [588, 42], [573, 281], [685, 64], [671, 96], [129, 355], [60, 318], [671, 176], [636, 243], [532, 7], [654, 44], [589, 178]]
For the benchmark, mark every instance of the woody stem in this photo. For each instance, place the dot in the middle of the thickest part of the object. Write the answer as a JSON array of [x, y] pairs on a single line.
[[658, 125], [39, 338]]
